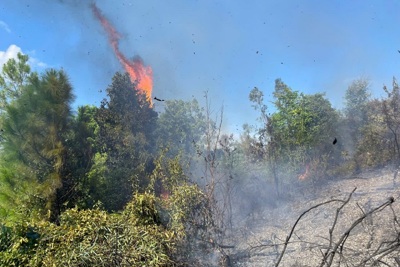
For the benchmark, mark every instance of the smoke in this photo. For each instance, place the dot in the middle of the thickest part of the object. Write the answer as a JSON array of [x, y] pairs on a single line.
[[225, 48]]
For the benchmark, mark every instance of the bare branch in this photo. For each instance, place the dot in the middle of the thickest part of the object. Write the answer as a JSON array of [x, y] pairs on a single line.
[[297, 221], [343, 238], [334, 225]]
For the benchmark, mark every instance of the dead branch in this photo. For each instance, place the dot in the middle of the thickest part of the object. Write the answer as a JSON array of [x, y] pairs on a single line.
[[330, 255], [380, 252], [297, 221], [337, 248], [334, 225]]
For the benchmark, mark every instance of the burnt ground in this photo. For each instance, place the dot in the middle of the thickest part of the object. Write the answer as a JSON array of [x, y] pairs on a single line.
[[259, 238]]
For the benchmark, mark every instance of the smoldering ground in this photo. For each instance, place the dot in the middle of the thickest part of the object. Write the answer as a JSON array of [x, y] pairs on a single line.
[[252, 199]]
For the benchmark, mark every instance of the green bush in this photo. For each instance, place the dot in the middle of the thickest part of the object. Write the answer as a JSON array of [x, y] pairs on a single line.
[[87, 238], [152, 230]]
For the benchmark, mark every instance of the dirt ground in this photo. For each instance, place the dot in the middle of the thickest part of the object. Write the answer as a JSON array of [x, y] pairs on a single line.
[[370, 241]]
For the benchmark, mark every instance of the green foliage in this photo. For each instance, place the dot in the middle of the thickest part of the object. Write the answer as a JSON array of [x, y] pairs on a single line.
[[378, 144], [80, 142], [107, 187], [125, 134], [297, 136], [357, 99], [89, 238], [19, 197], [391, 112], [180, 126], [189, 210], [144, 209], [20, 241], [96, 185], [167, 174], [370, 128], [14, 76], [5, 238], [150, 231], [257, 97], [33, 126], [183, 207], [306, 121], [129, 108]]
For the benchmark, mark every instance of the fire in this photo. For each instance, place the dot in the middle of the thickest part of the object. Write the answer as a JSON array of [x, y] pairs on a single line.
[[304, 176], [139, 74]]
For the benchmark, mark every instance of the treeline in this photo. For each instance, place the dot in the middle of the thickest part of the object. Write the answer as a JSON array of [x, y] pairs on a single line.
[[97, 187], [305, 137], [123, 185]]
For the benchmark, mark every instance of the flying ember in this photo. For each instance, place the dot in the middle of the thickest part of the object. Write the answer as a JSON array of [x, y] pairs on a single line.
[[139, 74]]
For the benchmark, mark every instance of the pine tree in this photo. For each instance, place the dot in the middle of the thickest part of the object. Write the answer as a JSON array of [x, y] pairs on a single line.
[[34, 155]]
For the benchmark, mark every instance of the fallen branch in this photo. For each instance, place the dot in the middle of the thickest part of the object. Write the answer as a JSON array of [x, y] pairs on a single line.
[[297, 221], [330, 255]]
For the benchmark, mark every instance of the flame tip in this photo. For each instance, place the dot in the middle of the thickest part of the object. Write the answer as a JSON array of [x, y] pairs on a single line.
[[138, 73]]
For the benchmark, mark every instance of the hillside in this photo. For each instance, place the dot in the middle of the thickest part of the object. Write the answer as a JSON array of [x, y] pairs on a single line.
[[260, 240]]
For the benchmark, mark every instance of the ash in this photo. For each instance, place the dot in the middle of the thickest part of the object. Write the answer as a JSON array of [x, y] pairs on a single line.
[[361, 235]]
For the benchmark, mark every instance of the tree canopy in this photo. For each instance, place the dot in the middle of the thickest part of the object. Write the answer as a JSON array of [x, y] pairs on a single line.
[[109, 185], [33, 139]]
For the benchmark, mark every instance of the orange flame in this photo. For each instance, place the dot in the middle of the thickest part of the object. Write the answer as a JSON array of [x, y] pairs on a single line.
[[139, 74], [304, 176]]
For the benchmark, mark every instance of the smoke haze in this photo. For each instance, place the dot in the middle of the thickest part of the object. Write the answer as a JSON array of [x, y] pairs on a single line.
[[225, 48]]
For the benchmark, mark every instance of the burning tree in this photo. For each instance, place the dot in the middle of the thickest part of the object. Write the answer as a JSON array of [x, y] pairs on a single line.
[[139, 74], [126, 128]]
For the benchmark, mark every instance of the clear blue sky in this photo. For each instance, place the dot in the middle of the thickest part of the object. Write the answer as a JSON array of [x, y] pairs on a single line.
[[225, 47]]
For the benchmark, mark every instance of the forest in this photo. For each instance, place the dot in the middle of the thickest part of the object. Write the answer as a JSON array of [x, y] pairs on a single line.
[[123, 185]]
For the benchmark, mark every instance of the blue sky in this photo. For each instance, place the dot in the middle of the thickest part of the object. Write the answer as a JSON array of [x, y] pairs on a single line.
[[225, 47]]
